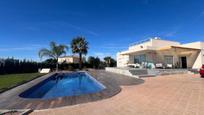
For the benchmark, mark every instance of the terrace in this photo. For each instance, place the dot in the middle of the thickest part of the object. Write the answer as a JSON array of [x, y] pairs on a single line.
[[169, 94], [163, 95], [112, 82]]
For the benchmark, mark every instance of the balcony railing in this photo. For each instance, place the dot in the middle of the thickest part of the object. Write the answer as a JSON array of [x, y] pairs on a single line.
[[140, 42]]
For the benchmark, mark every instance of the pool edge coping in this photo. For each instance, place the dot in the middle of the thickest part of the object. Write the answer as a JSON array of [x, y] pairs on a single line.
[[15, 92]]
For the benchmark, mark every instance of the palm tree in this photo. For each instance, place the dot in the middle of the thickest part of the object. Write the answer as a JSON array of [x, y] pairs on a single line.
[[54, 52], [79, 45]]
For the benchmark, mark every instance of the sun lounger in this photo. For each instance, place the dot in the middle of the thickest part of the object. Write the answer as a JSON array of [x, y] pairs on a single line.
[[45, 70]]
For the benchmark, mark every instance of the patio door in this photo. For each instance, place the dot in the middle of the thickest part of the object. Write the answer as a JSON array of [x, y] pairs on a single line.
[[183, 62]]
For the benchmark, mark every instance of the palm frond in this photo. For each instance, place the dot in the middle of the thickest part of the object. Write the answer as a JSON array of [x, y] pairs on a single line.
[[46, 53], [79, 45]]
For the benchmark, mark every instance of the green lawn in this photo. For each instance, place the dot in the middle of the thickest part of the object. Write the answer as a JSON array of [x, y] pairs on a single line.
[[10, 80]]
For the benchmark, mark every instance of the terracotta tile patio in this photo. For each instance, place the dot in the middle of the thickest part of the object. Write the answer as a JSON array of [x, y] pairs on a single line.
[[163, 95]]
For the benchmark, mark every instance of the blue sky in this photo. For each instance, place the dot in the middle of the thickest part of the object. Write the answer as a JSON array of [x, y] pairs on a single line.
[[108, 25]]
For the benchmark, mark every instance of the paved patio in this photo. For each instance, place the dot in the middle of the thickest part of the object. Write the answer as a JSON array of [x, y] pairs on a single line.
[[162, 95], [11, 99]]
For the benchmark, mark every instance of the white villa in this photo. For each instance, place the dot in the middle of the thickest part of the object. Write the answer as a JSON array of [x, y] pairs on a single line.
[[69, 59], [158, 52]]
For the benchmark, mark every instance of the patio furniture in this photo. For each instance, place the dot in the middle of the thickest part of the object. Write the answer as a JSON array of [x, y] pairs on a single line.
[[169, 66], [150, 65], [136, 65], [159, 65], [144, 64], [44, 70]]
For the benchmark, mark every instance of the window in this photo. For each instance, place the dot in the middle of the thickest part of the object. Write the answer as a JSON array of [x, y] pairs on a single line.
[[140, 58], [168, 59]]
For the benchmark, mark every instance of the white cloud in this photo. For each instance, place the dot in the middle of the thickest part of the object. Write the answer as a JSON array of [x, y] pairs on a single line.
[[83, 30], [170, 34], [172, 31], [58, 24], [112, 46], [22, 48]]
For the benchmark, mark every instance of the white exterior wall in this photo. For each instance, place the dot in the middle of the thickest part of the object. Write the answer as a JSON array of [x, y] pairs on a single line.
[[200, 58], [140, 46], [163, 43], [202, 52], [194, 60], [68, 59], [152, 44], [122, 60]]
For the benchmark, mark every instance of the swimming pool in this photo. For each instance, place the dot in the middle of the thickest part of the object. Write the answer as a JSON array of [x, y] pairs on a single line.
[[65, 84]]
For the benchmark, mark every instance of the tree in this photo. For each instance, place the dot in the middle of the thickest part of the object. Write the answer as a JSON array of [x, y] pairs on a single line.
[[91, 60], [48, 63], [12, 65], [79, 45], [97, 62], [54, 52], [110, 62]]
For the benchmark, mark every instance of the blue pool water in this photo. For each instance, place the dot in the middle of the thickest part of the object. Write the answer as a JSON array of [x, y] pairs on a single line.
[[59, 85]]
